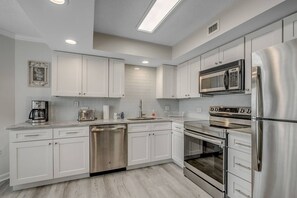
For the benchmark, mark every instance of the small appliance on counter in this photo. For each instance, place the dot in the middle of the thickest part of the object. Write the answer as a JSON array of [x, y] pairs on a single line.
[[86, 114], [39, 112]]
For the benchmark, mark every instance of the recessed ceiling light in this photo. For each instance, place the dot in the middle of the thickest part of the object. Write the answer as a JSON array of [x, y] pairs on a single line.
[[60, 2], [71, 42], [145, 62], [157, 13], [137, 68]]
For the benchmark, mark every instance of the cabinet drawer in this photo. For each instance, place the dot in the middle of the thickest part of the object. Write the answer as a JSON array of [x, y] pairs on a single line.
[[31, 135], [71, 132], [238, 188], [139, 127], [161, 126], [239, 164], [177, 127], [240, 141]]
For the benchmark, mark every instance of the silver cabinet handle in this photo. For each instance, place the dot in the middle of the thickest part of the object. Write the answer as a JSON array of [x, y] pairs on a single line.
[[71, 132], [242, 193], [244, 145], [243, 166], [32, 135]]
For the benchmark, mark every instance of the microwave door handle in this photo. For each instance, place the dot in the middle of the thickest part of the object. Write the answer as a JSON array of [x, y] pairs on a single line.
[[226, 80]]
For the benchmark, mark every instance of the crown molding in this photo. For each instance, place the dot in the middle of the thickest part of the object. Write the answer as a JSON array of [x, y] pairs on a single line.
[[7, 33], [28, 38]]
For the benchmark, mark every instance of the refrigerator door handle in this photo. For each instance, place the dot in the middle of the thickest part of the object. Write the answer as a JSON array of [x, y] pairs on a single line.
[[257, 104], [257, 144]]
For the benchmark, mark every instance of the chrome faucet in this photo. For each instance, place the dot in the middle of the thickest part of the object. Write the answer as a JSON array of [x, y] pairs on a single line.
[[140, 109]]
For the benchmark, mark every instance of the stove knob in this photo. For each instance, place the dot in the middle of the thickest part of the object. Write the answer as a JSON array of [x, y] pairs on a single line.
[[217, 109], [242, 110], [249, 111], [211, 108]]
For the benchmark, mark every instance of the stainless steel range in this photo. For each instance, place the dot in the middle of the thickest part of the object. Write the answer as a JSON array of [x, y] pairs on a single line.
[[205, 147]]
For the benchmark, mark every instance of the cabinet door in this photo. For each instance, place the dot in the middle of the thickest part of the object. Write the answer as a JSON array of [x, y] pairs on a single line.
[[66, 74], [160, 145], [71, 157], [193, 75], [178, 148], [31, 162], [184, 80], [210, 59], [168, 81], [263, 38], [116, 78], [232, 51], [95, 76], [290, 27], [138, 148]]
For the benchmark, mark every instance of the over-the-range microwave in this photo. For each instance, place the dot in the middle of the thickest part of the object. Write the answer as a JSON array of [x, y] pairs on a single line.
[[224, 79]]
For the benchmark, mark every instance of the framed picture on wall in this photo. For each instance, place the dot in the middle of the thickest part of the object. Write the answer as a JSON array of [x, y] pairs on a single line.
[[38, 74]]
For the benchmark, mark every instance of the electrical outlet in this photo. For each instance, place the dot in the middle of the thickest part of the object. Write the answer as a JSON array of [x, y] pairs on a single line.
[[167, 108], [198, 109], [76, 103]]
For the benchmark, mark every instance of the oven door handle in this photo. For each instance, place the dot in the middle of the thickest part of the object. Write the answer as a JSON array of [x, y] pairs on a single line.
[[208, 139]]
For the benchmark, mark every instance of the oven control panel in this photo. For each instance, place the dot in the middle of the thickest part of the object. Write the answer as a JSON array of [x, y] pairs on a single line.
[[230, 111]]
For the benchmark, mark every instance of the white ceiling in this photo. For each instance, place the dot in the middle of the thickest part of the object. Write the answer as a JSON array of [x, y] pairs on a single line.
[[121, 17]]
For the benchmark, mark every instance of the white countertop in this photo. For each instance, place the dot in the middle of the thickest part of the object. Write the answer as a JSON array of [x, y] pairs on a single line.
[[60, 124]]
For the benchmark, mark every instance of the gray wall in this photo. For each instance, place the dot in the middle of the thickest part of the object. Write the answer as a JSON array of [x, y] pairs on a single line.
[[189, 106], [7, 79], [139, 84]]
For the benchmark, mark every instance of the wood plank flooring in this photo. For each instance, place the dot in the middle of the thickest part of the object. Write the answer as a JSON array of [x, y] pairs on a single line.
[[160, 181]]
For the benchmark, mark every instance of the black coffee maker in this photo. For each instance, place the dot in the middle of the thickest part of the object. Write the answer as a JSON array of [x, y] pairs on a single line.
[[39, 112]]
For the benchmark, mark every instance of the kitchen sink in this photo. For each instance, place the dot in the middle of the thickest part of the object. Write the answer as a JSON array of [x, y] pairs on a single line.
[[143, 118]]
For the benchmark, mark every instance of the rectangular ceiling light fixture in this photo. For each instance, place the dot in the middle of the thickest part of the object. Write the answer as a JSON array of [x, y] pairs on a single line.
[[157, 13]]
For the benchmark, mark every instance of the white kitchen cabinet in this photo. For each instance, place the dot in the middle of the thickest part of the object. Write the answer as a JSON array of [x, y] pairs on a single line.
[[149, 142], [66, 74], [260, 39], [188, 79], [178, 143], [116, 78], [225, 54], [166, 82], [160, 145], [71, 156], [138, 148], [31, 162], [290, 27], [238, 188], [35, 157], [95, 76]]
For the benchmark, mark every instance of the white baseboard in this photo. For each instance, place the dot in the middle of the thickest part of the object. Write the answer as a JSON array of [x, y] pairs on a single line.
[[4, 177]]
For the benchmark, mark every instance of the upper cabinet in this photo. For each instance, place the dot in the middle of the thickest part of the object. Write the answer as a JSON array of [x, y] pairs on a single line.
[[260, 39], [87, 76], [227, 53], [66, 74], [290, 27], [116, 78], [166, 82], [95, 76], [188, 79]]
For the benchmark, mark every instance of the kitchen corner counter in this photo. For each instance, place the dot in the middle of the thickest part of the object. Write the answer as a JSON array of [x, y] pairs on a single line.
[[61, 124]]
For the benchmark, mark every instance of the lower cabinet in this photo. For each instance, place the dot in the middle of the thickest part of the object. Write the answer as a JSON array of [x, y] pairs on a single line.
[[31, 162], [40, 160], [71, 157], [149, 146], [178, 148]]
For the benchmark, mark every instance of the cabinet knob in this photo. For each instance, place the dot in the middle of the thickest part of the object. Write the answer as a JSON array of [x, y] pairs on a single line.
[[172, 96], [79, 93], [123, 95], [56, 143], [185, 94], [220, 62], [247, 89], [84, 93], [149, 134], [153, 134], [216, 63], [49, 143]]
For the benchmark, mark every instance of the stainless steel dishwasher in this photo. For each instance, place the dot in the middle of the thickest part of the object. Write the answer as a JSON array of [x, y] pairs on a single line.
[[108, 148]]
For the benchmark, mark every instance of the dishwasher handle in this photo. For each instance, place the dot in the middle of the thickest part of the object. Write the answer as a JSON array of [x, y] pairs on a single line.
[[102, 129]]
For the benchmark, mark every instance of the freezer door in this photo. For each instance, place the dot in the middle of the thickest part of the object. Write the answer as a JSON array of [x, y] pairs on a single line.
[[277, 82], [277, 175]]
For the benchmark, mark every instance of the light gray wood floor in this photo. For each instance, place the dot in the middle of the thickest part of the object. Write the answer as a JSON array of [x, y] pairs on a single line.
[[162, 181]]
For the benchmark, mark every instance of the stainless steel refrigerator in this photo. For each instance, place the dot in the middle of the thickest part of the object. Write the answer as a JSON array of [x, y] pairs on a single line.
[[274, 121]]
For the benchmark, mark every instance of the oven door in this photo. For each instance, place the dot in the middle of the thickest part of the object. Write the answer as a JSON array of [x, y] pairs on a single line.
[[205, 156], [214, 82]]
